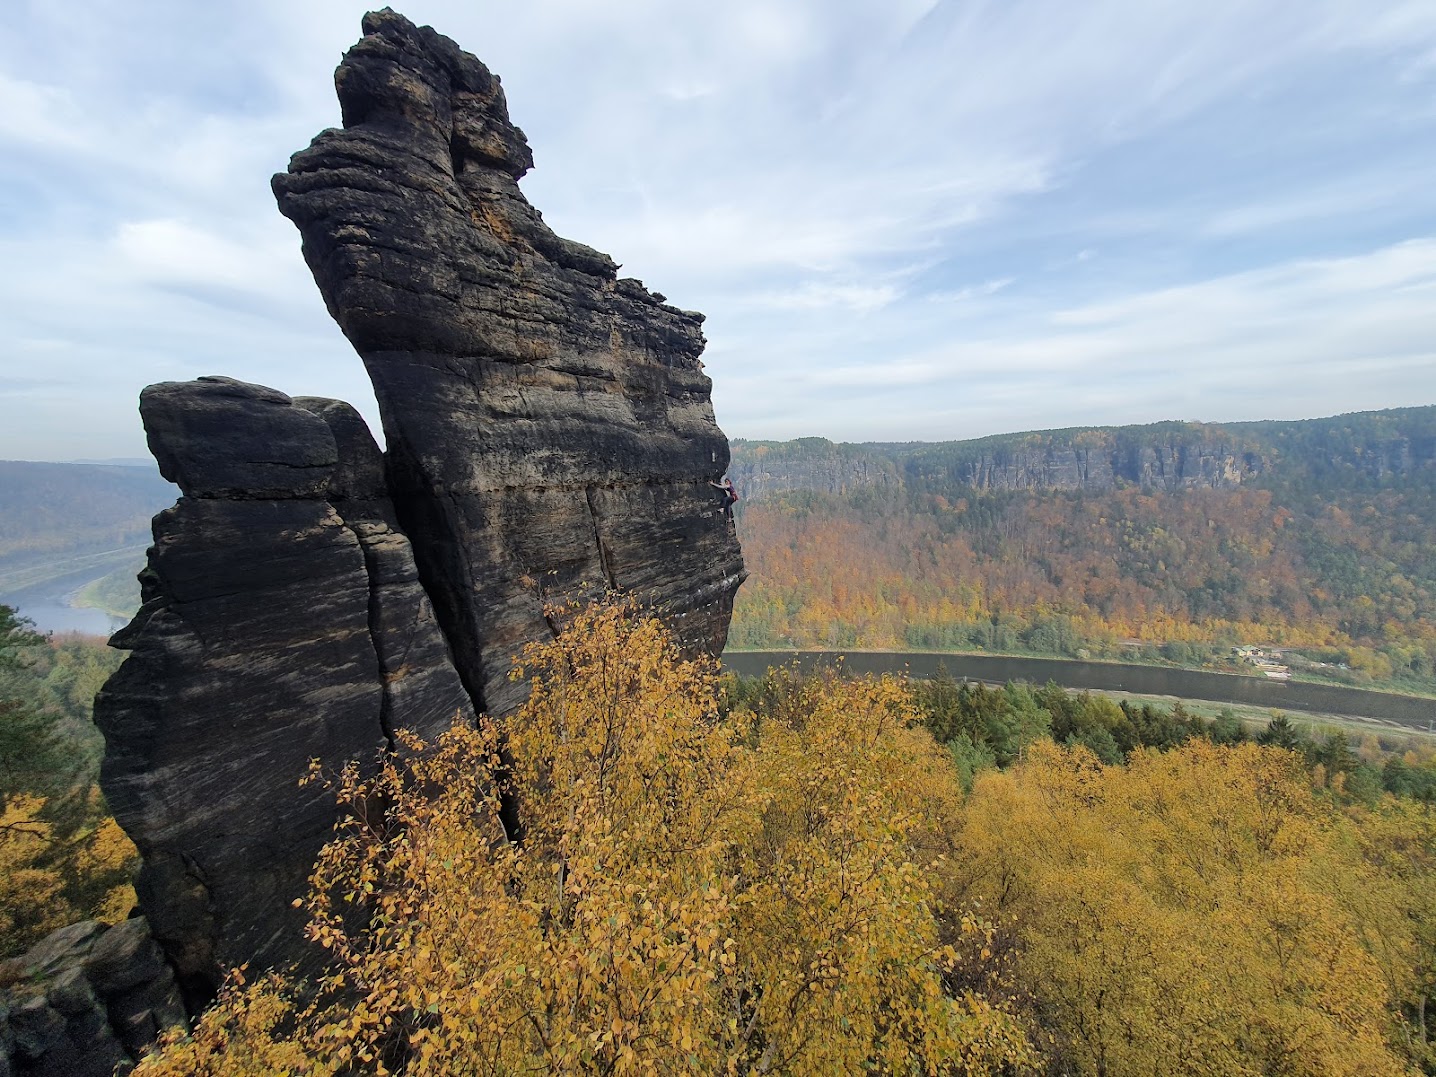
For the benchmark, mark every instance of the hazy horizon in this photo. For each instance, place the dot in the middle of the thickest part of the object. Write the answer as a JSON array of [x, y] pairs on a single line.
[[136, 461]]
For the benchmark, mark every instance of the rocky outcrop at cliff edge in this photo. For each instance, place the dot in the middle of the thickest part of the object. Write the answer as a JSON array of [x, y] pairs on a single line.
[[1360, 447], [549, 426], [281, 622], [1101, 461], [1186, 456], [550, 437], [765, 469]]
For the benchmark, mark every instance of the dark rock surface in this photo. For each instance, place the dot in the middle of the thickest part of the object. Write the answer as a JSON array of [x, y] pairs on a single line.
[[84, 1000], [223, 438], [422, 691], [550, 437], [123, 958], [549, 424], [269, 636]]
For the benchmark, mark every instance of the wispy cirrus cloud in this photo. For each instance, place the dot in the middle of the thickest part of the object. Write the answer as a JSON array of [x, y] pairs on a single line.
[[1277, 335]]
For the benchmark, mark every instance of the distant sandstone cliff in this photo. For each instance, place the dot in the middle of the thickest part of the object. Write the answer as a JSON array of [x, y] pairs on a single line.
[[550, 436], [1368, 446]]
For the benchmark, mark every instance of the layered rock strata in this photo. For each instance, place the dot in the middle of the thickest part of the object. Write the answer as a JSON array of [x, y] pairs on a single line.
[[1107, 461], [282, 622], [550, 437], [1096, 459], [549, 425]]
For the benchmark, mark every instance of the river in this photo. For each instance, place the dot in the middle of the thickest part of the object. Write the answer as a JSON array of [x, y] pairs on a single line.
[[1411, 711], [48, 605]]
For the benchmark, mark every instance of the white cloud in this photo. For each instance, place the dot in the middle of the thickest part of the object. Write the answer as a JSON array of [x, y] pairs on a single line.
[[1360, 195], [1306, 291], [872, 199], [776, 30], [36, 115], [863, 299], [176, 253], [1238, 346], [972, 292]]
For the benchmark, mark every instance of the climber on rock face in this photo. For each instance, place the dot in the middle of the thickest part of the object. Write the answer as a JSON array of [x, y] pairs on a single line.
[[730, 496]]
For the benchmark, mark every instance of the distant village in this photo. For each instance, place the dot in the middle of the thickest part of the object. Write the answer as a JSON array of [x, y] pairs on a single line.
[[1269, 662]]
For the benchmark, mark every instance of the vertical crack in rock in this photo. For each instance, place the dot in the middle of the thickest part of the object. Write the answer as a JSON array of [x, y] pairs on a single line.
[[598, 539], [251, 656], [546, 420], [422, 691], [283, 621]]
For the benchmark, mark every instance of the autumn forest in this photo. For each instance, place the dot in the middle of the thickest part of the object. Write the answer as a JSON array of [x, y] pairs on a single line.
[[1314, 536], [797, 876], [816, 873]]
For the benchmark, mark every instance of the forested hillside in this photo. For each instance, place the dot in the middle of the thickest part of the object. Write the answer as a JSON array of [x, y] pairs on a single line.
[[56, 510], [62, 857], [792, 876], [1175, 539]]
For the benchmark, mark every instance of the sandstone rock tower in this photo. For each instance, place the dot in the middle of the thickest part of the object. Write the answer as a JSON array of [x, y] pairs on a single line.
[[550, 436]]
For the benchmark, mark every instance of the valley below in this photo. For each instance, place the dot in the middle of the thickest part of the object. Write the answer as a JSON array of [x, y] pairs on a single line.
[[74, 593], [1160, 555], [72, 538], [1407, 712], [1302, 550], [541, 727]]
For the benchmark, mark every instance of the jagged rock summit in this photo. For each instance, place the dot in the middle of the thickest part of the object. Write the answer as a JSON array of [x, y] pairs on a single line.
[[550, 436], [549, 424]]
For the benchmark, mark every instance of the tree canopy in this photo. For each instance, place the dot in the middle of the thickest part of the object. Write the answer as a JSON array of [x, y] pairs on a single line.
[[62, 857], [632, 874], [761, 895]]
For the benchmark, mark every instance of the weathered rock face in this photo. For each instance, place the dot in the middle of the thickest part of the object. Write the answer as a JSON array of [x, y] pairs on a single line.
[[1049, 468], [1194, 463], [274, 630], [1190, 457], [766, 469], [1171, 456], [85, 999], [1106, 460], [549, 424], [550, 437], [422, 690]]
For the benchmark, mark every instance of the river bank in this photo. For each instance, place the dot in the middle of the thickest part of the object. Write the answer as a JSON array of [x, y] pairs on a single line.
[[49, 593], [1413, 712]]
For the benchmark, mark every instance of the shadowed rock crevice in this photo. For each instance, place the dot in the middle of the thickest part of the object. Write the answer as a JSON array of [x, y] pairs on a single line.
[[85, 1000], [549, 435], [422, 691]]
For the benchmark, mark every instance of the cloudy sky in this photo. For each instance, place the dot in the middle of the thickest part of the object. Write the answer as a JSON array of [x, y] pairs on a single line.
[[904, 218]]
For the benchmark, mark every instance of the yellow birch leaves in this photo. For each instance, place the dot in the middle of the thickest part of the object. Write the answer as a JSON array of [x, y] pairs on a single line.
[[684, 894], [805, 890], [1183, 914]]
